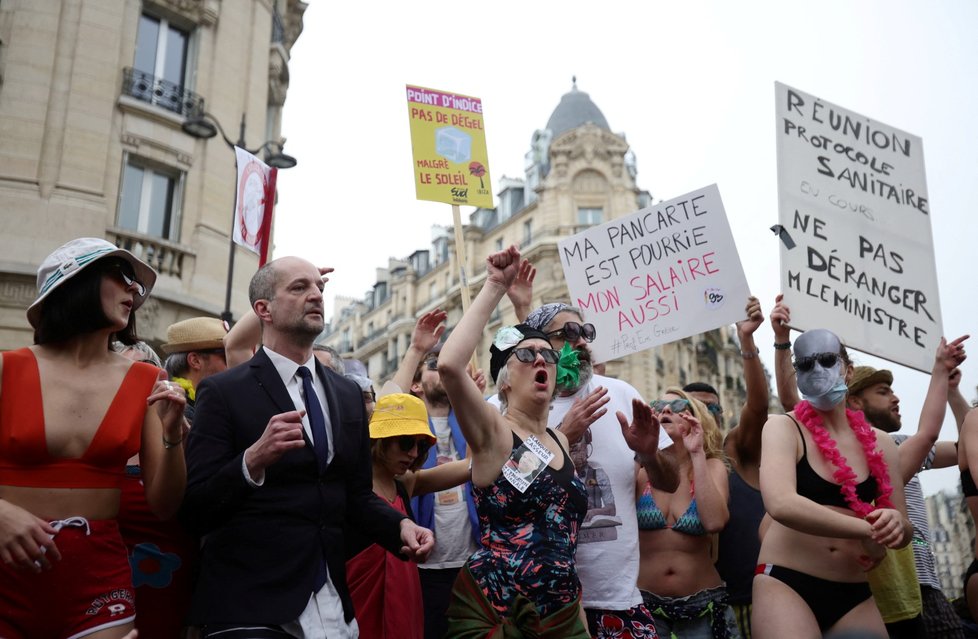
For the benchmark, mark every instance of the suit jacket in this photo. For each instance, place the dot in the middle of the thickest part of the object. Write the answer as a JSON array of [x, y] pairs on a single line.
[[262, 545]]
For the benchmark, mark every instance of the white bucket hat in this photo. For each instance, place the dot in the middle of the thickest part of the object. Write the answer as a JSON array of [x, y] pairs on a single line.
[[70, 259]]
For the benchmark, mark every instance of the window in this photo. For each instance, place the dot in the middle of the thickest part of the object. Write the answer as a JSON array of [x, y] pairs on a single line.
[[527, 232], [161, 49], [150, 201], [160, 72], [499, 244], [589, 216]]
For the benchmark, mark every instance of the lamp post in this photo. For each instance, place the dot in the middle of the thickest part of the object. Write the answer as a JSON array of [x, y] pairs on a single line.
[[204, 126]]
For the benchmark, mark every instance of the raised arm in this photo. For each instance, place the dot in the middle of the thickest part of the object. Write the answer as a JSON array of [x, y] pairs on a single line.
[[520, 292], [779, 488], [959, 405], [161, 452], [746, 436], [481, 423], [642, 435], [709, 480], [242, 340], [914, 450], [427, 331], [784, 372]]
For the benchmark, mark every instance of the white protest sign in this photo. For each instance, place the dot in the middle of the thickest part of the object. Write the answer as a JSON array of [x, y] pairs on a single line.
[[852, 198], [663, 273]]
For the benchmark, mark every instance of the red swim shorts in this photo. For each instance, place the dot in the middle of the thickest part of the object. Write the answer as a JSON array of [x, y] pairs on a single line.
[[89, 590]]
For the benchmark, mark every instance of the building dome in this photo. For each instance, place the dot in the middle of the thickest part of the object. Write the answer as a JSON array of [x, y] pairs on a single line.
[[575, 109]]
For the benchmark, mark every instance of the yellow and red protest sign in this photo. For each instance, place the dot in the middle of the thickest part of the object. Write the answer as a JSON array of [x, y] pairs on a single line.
[[448, 139]]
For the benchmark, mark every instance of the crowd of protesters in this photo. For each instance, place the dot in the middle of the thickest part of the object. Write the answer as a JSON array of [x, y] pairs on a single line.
[[250, 487]]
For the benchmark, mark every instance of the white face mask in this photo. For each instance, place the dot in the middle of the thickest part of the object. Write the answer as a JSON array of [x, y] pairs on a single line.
[[829, 399]]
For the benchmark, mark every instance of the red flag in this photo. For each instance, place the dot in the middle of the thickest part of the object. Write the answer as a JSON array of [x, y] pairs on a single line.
[[255, 197]]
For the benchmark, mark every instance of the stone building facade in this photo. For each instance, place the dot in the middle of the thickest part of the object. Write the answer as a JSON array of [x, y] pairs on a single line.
[[92, 97], [953, 539], [578, 173]]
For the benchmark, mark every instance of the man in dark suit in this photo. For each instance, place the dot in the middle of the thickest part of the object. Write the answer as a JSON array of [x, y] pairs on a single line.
[[278, 464]]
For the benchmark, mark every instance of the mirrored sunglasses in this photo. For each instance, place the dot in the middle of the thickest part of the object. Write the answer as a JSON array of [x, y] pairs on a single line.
[[715, 409], [825, 360], [675, 405], [572, 331], [528, 355], [407, 442]]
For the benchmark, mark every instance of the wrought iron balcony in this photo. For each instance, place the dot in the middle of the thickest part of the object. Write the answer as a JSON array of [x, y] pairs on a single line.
[[163, 93]]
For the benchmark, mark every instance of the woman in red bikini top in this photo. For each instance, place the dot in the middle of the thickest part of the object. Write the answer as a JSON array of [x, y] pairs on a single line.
[[72, 412]]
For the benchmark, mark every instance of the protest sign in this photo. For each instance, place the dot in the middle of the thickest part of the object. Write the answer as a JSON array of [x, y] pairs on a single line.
[[853, 206], [448, 141], [663, 273]]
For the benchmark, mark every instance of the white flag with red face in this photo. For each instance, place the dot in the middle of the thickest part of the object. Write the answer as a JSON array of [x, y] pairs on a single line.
[[255, 196]]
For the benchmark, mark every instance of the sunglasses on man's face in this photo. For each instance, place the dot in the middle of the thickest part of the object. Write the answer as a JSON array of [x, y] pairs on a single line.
[[431, 364], [675, 405], [715, 409], [825, 360], [572, 331], [528, 355], [407, 443], [128, 277]]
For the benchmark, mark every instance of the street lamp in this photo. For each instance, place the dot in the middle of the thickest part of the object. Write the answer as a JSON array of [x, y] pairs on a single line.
[[204, 126]]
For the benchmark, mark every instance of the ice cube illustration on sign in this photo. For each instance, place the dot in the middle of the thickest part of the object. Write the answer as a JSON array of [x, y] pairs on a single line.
[[453, 144]]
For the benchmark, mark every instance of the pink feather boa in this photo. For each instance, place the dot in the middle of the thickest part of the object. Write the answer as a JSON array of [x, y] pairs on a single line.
[[808, 416]]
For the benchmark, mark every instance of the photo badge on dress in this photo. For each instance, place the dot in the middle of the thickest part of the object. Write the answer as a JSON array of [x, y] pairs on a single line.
[[526, 462]]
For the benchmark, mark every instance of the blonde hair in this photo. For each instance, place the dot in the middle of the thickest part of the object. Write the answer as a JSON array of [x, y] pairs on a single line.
[[712, 438]]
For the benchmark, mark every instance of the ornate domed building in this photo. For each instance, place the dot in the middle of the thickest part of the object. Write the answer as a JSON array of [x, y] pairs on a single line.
[[578, 173]]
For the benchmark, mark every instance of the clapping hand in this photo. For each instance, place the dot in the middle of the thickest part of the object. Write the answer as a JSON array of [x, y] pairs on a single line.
[[642, 435]]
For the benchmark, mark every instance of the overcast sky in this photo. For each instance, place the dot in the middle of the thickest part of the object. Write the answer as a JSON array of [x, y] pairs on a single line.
[[690, 84]]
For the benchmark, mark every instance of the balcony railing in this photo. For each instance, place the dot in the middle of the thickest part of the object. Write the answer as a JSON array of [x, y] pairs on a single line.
[[164, 256], [163, 93]]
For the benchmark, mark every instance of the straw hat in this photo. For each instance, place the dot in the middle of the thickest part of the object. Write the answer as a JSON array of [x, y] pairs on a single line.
[[865, 376], [195, 334], [71, 259], [399, 414]]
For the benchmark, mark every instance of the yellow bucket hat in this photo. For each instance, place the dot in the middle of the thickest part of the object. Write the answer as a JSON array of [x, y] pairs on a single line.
[[399, 414]]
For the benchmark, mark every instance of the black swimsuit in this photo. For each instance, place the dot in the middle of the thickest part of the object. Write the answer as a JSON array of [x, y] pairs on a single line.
[[829, 600]]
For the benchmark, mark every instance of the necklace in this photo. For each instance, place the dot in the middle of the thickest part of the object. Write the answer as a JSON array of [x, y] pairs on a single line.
[[843, 474]]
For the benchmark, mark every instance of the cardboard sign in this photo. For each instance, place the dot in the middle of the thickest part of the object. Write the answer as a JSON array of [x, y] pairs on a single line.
[[852, 198], [448, 140], [666, 272]]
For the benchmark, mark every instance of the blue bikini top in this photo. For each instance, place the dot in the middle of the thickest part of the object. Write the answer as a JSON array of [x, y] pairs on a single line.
[[650, 517]]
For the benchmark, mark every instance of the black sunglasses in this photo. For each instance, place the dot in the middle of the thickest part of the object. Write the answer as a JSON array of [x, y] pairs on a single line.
[[572, 331], [128, 276], [715, 409], [825, 360], [369, 396], [407, 442], [431, 364], [675, 405], [528, 355]]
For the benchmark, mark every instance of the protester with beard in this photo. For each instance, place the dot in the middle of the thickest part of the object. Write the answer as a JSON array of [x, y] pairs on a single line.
[[607, 552], [905, 585], [449, 513], [278, 468], [824, 533]]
